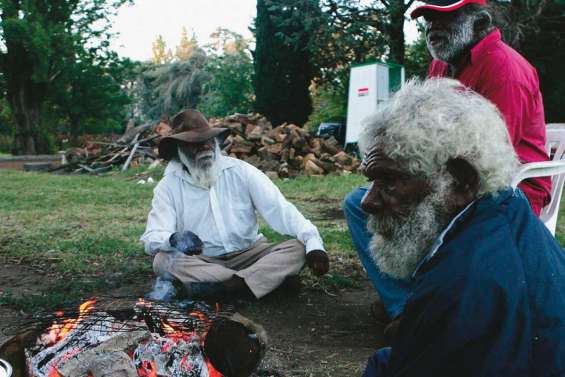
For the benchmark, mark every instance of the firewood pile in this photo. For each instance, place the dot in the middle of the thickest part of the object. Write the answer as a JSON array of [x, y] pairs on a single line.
[[283, 151], [136, 146]]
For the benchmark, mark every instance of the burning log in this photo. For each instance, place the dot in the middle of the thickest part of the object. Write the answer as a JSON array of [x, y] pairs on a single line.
[[235, 346]]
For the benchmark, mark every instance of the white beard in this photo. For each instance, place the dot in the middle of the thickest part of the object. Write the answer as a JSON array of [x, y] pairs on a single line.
[[399, 244], [203, 171], [459, 39]]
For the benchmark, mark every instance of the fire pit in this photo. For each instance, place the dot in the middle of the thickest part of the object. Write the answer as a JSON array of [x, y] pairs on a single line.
[[150, 339]]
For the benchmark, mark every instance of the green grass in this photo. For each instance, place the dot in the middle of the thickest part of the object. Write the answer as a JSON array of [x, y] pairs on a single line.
[[86, 228]]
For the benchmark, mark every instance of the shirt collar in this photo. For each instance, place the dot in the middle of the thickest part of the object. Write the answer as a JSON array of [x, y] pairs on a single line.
[[484, 44], [439, 240]]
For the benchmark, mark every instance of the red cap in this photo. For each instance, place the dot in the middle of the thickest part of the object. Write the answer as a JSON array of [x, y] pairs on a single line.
[[442, 6]]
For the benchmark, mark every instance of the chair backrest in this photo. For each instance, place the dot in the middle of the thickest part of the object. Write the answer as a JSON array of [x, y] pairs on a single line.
[[555, 147]]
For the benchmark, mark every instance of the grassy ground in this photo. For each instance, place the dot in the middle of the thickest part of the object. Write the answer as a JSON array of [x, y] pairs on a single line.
[[85, 229]]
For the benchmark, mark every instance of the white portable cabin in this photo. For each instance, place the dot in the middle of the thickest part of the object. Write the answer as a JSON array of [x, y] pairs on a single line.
[[370, 84]]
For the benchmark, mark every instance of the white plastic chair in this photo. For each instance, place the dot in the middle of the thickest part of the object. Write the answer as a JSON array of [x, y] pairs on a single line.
[[555, 146]]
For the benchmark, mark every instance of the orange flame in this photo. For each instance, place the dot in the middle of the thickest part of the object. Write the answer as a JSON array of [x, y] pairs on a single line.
[[58, 331]]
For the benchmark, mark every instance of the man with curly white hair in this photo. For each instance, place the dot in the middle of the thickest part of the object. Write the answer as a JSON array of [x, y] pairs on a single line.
[[487, 276]]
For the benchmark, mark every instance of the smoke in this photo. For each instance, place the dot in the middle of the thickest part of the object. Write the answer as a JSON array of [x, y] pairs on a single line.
[[163, 290]]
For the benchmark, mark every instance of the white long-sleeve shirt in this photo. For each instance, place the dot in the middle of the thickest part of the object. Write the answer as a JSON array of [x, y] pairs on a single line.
[[224, 216]]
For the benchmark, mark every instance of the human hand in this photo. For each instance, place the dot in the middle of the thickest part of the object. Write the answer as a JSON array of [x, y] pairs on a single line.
[[186, 242], [318, 262]]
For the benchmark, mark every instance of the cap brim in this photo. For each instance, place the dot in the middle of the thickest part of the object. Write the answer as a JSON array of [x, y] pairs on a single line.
[[442, 8], [167, 145]]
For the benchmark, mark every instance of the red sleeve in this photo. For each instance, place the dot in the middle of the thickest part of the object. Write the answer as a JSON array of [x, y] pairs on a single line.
[[512, 100]]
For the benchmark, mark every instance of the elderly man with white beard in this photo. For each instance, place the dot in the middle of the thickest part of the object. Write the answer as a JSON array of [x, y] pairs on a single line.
[[202, 227], [466, 45], [487, 276]]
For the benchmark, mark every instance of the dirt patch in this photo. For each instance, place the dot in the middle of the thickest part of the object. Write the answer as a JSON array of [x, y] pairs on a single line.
[[313, 333], [329, 214]]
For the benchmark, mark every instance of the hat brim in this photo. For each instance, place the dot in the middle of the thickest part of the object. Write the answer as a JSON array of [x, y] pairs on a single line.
[[442, 8], [168, 144]]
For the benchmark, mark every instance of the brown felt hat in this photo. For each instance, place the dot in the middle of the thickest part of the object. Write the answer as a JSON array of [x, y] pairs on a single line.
[[188, 126]]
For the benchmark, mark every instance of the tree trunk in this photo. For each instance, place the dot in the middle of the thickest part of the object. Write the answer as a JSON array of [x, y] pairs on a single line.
[[25, 109], [396, 31]]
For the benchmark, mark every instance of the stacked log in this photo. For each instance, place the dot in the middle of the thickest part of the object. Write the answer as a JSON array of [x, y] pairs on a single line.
[[283, 151]]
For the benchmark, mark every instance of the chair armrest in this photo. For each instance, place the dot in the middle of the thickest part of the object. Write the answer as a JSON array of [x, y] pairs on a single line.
[[538, 169]]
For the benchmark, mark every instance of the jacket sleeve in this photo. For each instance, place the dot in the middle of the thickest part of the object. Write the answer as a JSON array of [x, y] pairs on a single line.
[[280, 215], [161, 221]]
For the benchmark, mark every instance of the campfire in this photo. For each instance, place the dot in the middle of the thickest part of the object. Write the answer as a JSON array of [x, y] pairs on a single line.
[[151, 339]]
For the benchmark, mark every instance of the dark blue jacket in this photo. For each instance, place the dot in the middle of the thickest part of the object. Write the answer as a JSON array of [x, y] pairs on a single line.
[[491, 302]]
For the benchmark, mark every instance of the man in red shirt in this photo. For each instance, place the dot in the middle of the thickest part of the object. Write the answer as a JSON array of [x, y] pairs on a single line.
[[466, 45]]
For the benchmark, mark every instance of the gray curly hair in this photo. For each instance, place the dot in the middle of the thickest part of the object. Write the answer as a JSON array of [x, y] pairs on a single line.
[[425, 124]]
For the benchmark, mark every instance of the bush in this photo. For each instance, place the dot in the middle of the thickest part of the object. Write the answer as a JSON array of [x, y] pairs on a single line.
[[329, 106]]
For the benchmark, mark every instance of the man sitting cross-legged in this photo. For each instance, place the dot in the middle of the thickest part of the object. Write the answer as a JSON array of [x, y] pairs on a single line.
[[487, 276], [202, 227]]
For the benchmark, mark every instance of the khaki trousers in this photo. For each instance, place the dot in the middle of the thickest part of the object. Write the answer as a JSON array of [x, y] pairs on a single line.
[[264, 266]]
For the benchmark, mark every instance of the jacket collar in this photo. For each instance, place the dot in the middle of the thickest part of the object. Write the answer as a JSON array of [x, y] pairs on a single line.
[[488, 201]]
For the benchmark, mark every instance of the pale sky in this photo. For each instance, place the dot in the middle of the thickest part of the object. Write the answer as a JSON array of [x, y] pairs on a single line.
[[140, 24]]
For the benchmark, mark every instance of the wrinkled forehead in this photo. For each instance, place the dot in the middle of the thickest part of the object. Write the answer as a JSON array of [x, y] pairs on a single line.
[[376, 158]]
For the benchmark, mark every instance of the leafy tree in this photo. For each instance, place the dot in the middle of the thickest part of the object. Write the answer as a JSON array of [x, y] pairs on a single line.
[[168, 88], [186, 46], [41, 40], [161, 54], [283, 70], [93, 101], [536, 29], [383, 17], [230, 68], [417, 58]]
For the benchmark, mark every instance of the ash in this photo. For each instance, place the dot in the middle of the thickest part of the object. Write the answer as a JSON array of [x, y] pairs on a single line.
[[172, 357]]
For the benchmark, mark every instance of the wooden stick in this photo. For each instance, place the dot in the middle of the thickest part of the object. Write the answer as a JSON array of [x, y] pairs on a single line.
[[126, 164]]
